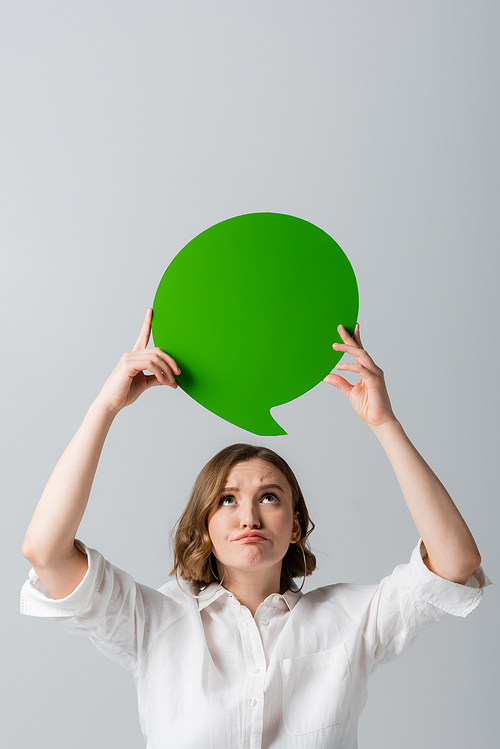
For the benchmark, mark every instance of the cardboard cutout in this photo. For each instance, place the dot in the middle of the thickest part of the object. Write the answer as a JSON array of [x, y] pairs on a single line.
[[249, 310]]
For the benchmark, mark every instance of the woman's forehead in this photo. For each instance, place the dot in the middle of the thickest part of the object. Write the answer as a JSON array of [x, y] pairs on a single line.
[[256, 471]]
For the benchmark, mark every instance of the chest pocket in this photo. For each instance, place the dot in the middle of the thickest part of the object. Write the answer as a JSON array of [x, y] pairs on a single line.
[[314, 690]]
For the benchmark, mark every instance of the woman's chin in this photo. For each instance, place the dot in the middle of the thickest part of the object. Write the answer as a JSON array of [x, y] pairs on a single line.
[[252, 560]]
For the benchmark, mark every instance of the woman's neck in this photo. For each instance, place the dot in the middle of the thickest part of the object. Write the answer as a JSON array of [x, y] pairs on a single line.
[[251, 588]]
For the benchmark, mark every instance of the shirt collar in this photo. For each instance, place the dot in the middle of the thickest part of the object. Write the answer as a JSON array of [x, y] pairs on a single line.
[[290, 596], [212, 595]]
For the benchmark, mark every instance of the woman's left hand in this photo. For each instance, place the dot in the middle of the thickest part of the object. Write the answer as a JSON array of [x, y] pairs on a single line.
[[369, 396]]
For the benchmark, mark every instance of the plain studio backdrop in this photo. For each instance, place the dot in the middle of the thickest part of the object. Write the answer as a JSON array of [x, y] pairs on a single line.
[[128, 128]]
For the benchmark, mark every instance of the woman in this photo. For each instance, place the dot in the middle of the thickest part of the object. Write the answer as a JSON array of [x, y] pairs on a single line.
[[231, 653]]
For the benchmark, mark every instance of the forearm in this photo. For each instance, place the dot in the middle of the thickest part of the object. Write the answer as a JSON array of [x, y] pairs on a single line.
[[52, 530], [452, 551]]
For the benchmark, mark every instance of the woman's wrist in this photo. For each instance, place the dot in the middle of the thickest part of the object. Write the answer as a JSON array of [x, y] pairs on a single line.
[[101, 407], [388, 429]]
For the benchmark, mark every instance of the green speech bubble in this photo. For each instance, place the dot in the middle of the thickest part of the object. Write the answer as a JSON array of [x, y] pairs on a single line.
[[249, 310]]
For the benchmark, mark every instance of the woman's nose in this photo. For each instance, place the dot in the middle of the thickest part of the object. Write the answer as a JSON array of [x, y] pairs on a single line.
[[249, 517]]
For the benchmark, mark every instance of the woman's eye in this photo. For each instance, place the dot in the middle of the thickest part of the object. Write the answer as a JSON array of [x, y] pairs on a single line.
[[272, 497], [226, 500], [229, 500]]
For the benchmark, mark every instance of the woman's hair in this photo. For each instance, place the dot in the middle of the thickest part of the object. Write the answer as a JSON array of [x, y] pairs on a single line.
[[192, 546]]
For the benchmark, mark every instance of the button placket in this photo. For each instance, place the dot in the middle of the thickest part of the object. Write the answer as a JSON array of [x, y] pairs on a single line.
[[255, 659]]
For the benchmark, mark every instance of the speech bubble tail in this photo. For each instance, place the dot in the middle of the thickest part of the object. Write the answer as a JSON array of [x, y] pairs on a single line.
[[269, 427], [263, 425]]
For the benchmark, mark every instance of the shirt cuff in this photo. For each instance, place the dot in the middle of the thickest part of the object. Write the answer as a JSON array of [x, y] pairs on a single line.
[[37, 601], [452, 598]]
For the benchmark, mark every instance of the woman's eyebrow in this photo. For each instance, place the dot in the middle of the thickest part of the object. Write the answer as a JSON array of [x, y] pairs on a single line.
[[263, 486], [272, 486]]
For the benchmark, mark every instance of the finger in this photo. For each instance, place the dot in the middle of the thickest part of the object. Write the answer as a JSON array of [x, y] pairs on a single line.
[[153, 360], [345, 335], [159, 357], [152, 381], [339, 382], [356, 336], [164, 357], [159, 371], [171, 362], [348, 348], [160, 368], [359, 354], [143, 339], [363, 372]]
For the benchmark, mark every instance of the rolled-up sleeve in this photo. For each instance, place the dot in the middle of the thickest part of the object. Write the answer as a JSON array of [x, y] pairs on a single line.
[[412, 599], [37, 601], [452, 598], [121, 617]]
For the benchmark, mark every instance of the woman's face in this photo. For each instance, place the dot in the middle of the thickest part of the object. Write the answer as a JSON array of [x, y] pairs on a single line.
[[253, 522]]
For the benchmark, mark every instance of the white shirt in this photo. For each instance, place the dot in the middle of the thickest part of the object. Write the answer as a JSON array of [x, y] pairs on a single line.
[[211, 676]]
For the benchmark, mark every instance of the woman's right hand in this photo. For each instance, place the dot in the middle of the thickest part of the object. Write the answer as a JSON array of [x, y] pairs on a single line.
[[128, 381]]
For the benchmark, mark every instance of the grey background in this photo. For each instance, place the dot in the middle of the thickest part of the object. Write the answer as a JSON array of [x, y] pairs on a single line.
[[129, 127]]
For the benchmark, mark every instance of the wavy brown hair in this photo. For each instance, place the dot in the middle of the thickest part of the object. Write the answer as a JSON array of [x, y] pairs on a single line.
[[194, 560]]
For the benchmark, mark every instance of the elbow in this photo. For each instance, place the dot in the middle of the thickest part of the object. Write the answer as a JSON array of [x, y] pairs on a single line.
[[25, 550], [42, 556], [29, 552], [459, 571], [475, 562], [468, 568]]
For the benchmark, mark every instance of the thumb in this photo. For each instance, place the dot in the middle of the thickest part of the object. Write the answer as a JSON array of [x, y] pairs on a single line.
[[151, 381], [340, 383]]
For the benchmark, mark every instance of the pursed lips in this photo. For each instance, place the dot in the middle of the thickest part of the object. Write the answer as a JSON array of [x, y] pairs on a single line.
[[249, 537]]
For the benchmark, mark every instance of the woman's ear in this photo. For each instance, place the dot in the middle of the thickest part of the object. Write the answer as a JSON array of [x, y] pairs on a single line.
[[296, 529]]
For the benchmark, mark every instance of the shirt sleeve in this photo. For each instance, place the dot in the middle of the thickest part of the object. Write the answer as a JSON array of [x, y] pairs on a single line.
[[121, 617], [413, 598]]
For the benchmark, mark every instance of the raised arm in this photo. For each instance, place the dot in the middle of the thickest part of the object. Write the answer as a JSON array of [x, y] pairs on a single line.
[[49, 541], [451, 550]]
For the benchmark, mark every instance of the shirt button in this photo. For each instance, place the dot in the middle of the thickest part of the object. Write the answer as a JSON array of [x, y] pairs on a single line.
[[276, 599], [256, 670], [264, 622], [253, 703]]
